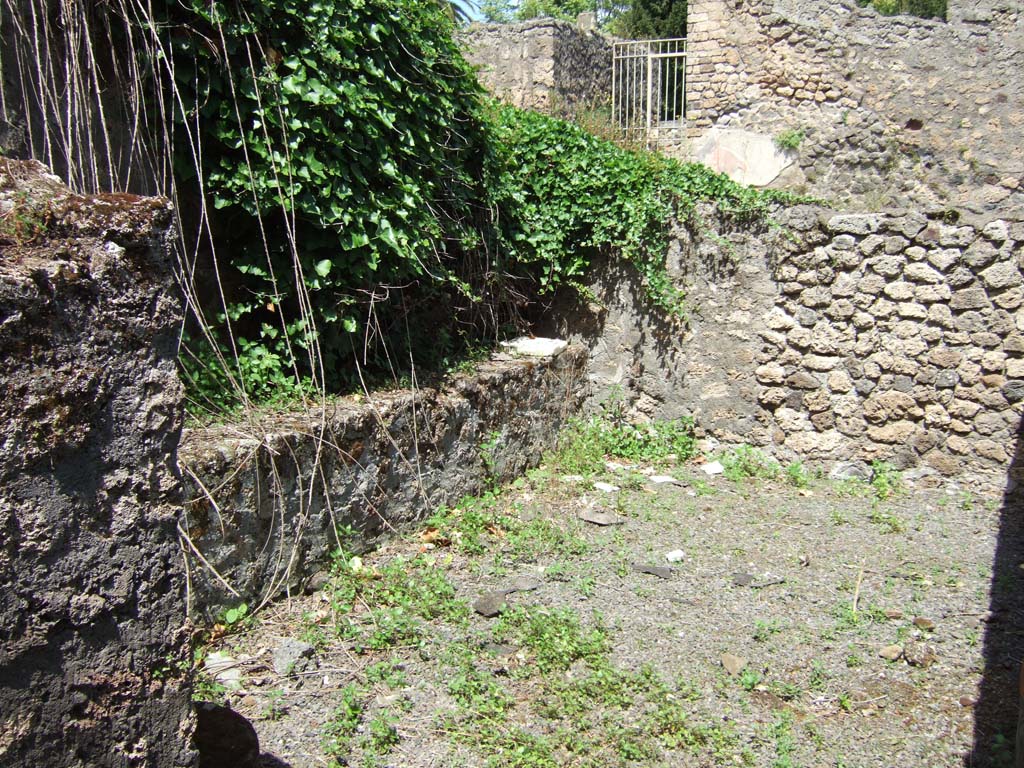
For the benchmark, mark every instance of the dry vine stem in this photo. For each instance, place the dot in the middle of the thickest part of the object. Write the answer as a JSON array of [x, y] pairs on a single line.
[[95, 83]]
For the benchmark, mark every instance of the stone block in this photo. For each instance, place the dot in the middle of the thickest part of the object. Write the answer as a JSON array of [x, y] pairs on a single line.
[[855, 224], [95, 640], [1001, 275], [922, 273], [969, 298], [892, 432], [943, 258]]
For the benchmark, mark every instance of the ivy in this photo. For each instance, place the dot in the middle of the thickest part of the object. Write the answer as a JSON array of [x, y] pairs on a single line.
[[364, 195], [569, 196]]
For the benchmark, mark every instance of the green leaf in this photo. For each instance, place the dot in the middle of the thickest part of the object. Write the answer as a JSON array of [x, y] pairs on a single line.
[[323, 267]]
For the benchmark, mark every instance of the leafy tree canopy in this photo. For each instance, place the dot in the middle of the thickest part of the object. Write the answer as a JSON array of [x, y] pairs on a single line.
[[649, 19]]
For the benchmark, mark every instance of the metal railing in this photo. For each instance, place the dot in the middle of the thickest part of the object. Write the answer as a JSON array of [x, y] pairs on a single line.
[[649, 88]]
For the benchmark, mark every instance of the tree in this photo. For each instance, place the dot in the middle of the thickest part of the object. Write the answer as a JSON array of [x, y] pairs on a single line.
[[504, 11], [653, 19]]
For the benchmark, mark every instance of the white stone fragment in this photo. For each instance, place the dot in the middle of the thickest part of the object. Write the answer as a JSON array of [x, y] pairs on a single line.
[[606, 487], [662, 479], [713, 468], [675, 556], [535, 347]]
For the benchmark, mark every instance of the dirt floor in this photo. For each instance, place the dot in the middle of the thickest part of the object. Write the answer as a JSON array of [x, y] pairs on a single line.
[[831, 624]]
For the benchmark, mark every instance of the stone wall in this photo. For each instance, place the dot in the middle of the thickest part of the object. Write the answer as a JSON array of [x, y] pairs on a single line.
[[545, 64], [264, 509], [895, 110], [93, 641], [829, 337]]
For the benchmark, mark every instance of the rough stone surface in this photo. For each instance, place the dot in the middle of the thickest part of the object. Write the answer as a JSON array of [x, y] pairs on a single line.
[[92, 615], [893, 110], [544, 64], [757, 363], [264, 510]]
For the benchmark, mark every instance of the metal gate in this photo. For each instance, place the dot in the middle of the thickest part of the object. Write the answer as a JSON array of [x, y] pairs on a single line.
[[649, 89]]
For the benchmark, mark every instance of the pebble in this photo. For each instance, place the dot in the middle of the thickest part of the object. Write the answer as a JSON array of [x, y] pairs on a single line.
[[661, 571], [606, 487], [662, 479], [919, 655], [891, 652], [491, 604], [922, 623], [713, 468], [288, 654], [733, 664], [742, 579], [601, 518], [675, 556]]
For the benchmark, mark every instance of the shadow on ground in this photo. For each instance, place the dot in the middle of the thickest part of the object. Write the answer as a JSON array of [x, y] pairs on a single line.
[[996, 709]]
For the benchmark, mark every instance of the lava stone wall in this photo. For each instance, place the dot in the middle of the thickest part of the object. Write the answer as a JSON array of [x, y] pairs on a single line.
[[544, 64], [93, 643], [828, 337], [266, 499], [891, 109]]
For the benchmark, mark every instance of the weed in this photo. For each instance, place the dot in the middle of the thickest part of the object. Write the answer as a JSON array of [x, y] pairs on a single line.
[[749, 678], [887, 520], [819, 676], [477, 693], [340, 730], [849, 620], [790, 139], [388, 672], [274, 708], [796, 475], [785, 744], [205, 687], [764, 629], [553, 635], [488, 457], [885, 480], [745, 462], [393, 599], [845, 702], [585, 444], [586, 586], [785, 691], [472, 524], [543, 537], [382, 735]]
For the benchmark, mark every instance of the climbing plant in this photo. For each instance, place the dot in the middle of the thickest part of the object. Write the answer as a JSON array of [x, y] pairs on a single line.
[[568, 196], [343, 154]]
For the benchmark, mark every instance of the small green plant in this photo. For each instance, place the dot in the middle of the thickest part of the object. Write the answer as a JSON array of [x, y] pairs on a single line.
[[382, 736], [749, 678], [235, 617], [554, 636], [885, 519], [796, 475], [339, 732], [885, 480], [819, 676], [586, 444], [765, 628], [785, 743], [790, 139], [488, 457], [274, 708], [845, 701], [745, 462]]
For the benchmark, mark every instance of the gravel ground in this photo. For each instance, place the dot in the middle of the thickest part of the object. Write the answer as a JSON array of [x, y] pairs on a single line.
[[815, 626]]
